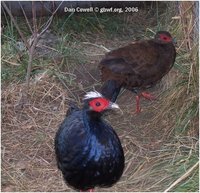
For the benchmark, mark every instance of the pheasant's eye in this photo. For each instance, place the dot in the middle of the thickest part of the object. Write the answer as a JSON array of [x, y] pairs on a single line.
[[165, 38], [98, 104]]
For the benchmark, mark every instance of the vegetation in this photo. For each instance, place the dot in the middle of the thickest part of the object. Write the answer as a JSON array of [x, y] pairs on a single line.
[[161, 144]]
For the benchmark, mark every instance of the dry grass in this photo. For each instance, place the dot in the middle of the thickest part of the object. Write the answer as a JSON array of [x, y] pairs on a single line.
[[28, 132]]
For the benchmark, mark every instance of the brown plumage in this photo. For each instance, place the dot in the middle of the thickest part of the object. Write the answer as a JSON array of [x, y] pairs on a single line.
[[137, 66]]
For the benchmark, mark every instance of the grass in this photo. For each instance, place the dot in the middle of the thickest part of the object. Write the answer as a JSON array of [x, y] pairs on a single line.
[[106, 25], [160, 145], [10, 66], [186, 158], [183, 99]]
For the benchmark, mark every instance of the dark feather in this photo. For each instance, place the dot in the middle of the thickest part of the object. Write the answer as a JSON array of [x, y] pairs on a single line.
[[88, 151], [138, 65]]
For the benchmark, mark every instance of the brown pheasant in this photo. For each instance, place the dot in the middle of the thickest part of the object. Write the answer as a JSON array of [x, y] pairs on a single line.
[[137, 66]]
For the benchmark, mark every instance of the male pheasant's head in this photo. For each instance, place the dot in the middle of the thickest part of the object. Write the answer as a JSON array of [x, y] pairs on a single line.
[[98, 103], [164, 36]]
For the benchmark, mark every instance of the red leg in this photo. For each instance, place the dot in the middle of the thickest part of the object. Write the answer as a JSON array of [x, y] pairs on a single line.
[[138, 109], [148, 96]]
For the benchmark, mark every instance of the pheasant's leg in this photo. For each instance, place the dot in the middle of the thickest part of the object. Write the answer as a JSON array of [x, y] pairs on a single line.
[[138, 109], [148, 96]]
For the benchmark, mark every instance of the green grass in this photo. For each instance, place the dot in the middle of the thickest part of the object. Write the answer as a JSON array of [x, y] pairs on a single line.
[[189, 185], [11, 72], [9, 52], [182, 164], [71, 29], [183, 124], [81, 25], [184, 109], [174, 160]]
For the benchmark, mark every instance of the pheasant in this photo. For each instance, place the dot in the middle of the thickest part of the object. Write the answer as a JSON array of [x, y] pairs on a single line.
[[88, 151], [137, 66]]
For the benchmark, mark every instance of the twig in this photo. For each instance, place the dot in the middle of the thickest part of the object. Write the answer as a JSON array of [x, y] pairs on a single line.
[[48, 23], [63, 83], [15, 23], [9, 62], [50, 48], [183, 177], [189, 78], [33, 45], [36, 38], [99, 46], [35, 30], [26, 18]]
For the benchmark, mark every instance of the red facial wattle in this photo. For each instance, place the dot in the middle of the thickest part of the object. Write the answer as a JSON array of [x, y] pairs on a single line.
[[165, 38], [99, 104]]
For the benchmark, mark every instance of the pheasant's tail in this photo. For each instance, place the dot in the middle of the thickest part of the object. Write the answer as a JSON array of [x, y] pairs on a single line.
[[111, 90]]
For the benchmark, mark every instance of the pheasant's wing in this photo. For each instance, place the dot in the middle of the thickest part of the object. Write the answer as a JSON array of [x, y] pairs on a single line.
[[130, 59], [116, 65]]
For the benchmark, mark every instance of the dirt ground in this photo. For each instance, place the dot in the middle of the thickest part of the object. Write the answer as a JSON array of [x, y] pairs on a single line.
[[29, 127], [28, 130]]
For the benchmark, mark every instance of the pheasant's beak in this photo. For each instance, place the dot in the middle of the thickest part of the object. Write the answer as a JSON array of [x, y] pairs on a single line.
[[113, 106]]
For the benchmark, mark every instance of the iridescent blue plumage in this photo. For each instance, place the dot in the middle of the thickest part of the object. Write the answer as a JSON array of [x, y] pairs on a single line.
[[88, 150]]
